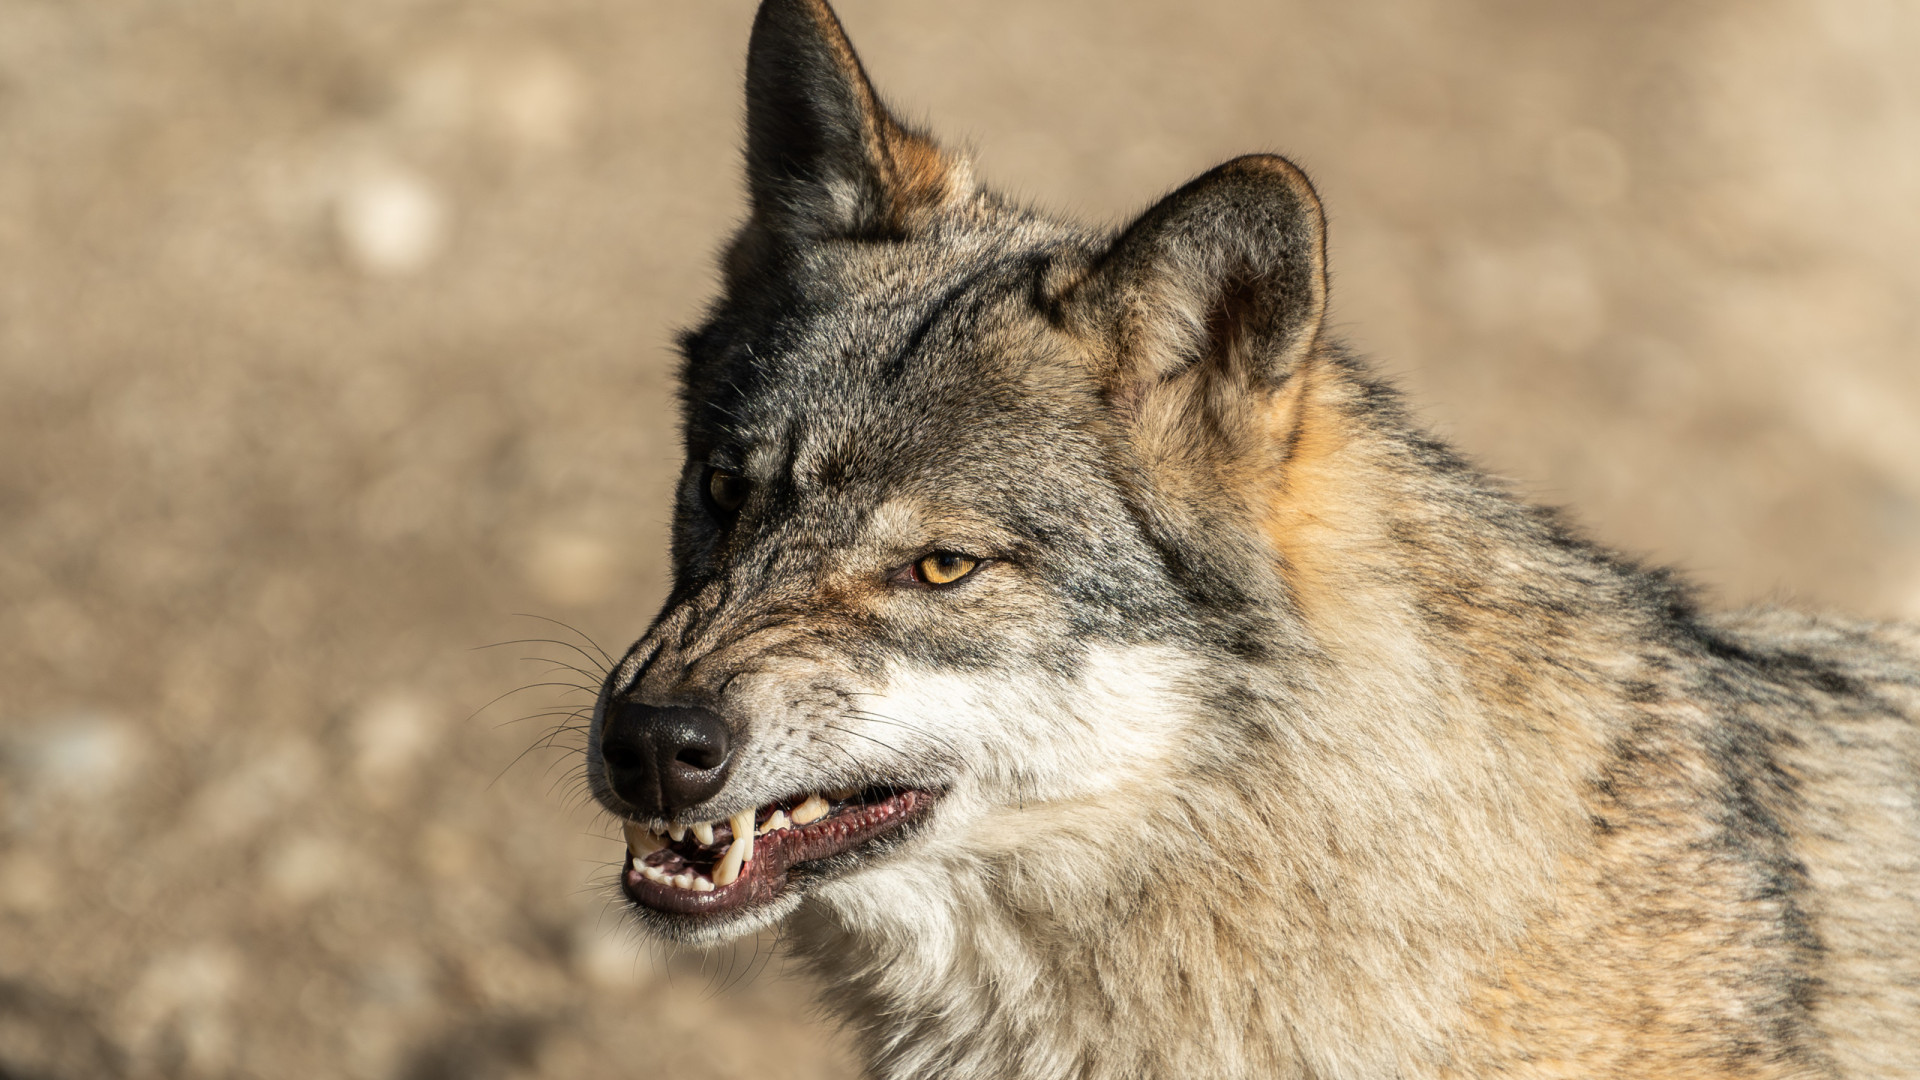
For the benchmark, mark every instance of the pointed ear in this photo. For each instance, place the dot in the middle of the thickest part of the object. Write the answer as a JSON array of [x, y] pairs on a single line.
[[1230, 270], [824, 157]]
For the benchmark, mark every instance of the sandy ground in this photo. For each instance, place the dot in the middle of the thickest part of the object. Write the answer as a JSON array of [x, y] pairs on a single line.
[[333, 334]]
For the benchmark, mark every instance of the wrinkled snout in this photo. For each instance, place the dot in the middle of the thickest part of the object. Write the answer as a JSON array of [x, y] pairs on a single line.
[[662, 759]]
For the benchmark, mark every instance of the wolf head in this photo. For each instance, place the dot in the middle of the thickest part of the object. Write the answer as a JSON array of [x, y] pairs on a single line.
[[963, 539]]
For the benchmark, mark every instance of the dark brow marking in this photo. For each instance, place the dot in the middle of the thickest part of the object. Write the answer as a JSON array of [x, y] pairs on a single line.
[[932, 318]]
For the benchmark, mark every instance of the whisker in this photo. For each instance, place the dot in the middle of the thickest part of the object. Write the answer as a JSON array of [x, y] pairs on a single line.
[[578, 772], [858, 769], [580, 713], [561, 665], [890, 748], [575, 630], [916, 728], [590, 658], [543, 743], [574, 687]]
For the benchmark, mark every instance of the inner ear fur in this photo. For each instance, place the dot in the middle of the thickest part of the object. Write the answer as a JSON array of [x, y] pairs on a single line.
[[1227, 273], [824, 156]]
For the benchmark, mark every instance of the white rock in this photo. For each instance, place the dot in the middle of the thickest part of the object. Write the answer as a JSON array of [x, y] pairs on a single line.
[[81, 753], [391, 221]]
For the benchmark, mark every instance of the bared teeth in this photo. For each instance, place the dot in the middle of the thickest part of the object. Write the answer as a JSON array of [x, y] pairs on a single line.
[[728, 871], [742, 823], [690, 880], [813, 809], [642, 841], [738, 852]]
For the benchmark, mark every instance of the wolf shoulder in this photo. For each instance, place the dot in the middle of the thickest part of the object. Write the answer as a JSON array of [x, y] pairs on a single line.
[[1840, 699], [1839, 669]]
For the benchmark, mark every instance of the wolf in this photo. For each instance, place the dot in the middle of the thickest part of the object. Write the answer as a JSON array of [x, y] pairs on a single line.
[[1095, 673]]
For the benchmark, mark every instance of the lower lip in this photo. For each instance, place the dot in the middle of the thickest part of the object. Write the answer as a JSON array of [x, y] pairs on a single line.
[[775, 853]]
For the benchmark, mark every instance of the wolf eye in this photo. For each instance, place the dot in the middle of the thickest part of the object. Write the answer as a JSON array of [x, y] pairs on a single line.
[[726, 491], [944, 567]]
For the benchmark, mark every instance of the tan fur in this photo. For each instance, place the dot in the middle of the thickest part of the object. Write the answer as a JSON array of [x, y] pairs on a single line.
[[1472, 921], [1351, 766]]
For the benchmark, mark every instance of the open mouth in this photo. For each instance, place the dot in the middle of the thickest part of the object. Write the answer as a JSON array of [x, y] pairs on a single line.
[[715, 867]]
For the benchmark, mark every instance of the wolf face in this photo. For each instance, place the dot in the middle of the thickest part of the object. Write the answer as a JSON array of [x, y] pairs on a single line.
[[947, 541]]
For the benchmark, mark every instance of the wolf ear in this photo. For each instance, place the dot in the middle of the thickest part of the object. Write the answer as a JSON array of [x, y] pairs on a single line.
[[824, 156], [1230, 270]]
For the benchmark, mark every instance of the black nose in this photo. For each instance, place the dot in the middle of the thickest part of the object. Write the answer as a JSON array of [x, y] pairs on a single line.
[[664, 758]]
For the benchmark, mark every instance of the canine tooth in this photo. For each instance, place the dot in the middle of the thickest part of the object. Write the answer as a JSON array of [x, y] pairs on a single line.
[[677, 831], [642, 841], [742, 823], [728, 871], [703, 832], [777, 821], [738, 852], [812, 810]]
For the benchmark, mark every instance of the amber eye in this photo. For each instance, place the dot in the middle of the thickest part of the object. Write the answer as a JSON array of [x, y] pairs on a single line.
[[944, 567], [727, 490]]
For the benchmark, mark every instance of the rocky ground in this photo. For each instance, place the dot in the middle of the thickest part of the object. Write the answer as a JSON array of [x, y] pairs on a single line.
[[333, 334]]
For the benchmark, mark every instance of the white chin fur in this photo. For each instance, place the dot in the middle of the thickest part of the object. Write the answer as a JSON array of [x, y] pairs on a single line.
[[1032, 748]]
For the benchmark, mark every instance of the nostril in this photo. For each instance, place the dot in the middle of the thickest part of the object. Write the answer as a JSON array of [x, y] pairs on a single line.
[[620, 755], [701, 757]]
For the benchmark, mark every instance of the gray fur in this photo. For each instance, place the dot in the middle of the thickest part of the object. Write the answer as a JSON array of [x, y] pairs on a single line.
[[1273, 738]]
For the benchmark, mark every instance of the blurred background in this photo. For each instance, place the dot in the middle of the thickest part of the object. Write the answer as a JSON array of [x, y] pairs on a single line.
[[333, 333]]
